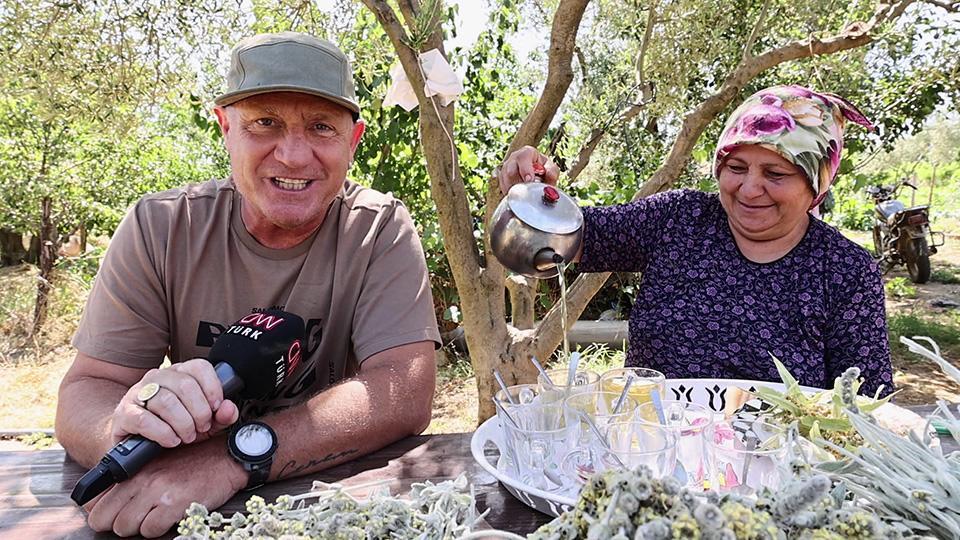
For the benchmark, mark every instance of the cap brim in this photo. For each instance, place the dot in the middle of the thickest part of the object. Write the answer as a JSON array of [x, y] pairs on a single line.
[[230, 98]]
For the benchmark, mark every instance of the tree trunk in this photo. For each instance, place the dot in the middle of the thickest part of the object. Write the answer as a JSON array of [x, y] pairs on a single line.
[[33, 253], [83, 238], [48, 254], [11, 248]]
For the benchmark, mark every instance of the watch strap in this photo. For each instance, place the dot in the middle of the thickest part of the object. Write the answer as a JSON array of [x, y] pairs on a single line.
[[259, 473]]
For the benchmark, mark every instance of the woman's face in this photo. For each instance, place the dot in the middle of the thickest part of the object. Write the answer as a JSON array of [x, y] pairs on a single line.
[[765, 196]]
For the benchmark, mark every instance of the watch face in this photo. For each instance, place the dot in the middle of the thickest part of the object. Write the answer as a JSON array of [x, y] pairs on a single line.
[[253, 440]]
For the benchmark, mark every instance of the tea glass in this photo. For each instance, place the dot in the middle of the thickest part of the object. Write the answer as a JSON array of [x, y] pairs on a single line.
[[583, 381], [645, 381], [746, 455], [538, 439], [519, 394], [688, 424], [633, 444]]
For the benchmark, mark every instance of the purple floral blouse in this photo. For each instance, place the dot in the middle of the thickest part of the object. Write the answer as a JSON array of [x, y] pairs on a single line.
[[703, 310]]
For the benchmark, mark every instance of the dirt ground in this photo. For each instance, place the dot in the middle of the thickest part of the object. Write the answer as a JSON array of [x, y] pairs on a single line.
[[918, 380]]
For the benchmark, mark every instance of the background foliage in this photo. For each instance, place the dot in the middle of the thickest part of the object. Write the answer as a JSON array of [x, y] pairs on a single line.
[[101, 102]]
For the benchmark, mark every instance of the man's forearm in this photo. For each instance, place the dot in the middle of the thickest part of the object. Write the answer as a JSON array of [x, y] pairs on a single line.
[[84, 408], [386, 402]]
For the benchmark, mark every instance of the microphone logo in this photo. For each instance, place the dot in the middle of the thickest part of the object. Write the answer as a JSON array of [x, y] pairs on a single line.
[[294, 355], [261, 320]]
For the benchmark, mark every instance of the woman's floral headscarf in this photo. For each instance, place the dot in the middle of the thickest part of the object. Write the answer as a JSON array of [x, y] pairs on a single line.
[[803, 126]]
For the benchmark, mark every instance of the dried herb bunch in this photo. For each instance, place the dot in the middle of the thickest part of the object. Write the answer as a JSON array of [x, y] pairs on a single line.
[[434, 511], [623, 505], [907, 481]]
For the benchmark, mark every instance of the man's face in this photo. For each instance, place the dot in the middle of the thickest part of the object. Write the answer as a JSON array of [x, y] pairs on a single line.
[[289, 155]]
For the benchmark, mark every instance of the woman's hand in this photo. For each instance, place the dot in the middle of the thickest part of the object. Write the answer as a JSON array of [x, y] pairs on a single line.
[[526, 165]]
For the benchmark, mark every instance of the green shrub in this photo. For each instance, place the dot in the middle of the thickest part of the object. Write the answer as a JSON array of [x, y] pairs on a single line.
[[900, 287]]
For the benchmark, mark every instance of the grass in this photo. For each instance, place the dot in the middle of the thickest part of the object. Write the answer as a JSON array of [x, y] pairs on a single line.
[[37, 441], [944, 328], [947, 275], [900, 287]]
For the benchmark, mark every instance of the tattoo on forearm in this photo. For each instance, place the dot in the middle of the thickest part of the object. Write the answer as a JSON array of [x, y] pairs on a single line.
[[292, 468]]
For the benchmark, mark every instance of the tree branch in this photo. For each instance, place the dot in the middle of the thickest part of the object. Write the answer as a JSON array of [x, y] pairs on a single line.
[[756, 29], [446, 184], [696, 121], [563, 38], [646, 90], [645, 44], [586, 151]]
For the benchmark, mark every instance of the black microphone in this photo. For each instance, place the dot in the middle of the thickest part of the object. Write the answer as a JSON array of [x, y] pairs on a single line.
[[252, 358]]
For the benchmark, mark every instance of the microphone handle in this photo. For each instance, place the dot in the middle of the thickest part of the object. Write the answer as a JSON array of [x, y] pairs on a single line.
[[131, 454]]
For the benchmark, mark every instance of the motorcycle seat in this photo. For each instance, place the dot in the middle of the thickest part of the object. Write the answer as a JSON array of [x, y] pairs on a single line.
[[889, 209]]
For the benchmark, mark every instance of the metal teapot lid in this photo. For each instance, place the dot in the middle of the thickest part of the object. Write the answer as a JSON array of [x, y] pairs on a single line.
[[544, 207]]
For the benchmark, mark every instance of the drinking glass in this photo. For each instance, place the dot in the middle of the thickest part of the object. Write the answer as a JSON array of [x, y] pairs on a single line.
[[595, 408], [519, 394], [538, 439], [688, 424], [746, 455], [632, 444], [583, 381], [645, 381]]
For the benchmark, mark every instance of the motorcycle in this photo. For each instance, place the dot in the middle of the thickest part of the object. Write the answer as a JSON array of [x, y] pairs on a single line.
[[902, 235]]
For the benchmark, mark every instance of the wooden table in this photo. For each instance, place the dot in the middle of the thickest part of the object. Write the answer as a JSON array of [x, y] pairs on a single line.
[[35, 486]]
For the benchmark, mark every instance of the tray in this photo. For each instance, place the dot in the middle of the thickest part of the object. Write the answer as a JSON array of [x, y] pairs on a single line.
[[711, 393]]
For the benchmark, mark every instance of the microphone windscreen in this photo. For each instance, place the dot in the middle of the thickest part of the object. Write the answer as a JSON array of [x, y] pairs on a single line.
[[262, 348]]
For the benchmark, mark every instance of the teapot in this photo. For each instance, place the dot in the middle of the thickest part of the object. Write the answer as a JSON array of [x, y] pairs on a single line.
[[535, 228]]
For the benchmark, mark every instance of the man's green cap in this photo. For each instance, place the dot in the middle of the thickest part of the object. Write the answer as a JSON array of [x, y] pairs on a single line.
[[289, 62]]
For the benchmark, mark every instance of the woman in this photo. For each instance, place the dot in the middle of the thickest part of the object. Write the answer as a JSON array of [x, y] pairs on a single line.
[[730, 278]]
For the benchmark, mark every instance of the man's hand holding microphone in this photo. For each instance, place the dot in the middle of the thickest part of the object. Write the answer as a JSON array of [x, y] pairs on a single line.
[[169, 449]]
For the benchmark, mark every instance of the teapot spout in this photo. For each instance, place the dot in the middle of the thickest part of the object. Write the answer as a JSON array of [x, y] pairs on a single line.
[[546, 259]]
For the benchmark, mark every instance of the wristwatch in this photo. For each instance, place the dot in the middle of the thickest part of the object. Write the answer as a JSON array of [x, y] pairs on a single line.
[[253, 444]]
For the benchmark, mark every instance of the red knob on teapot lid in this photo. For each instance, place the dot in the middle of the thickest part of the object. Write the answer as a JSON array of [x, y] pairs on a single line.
[[550, 194]]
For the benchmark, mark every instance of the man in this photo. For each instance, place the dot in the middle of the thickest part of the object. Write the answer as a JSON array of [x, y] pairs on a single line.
[[286, 231]]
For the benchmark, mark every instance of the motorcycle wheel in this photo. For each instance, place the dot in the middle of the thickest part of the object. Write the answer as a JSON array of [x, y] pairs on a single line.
[[877, 242], [918, 266]]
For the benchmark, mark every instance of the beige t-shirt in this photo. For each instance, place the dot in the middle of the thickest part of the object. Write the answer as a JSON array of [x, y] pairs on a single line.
[[182, 267]]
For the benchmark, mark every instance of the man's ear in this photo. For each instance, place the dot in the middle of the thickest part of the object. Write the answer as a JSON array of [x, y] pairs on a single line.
[[358, 128], [222, 120]]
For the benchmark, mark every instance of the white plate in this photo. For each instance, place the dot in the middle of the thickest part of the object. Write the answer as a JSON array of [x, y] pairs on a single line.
[[711, 393]]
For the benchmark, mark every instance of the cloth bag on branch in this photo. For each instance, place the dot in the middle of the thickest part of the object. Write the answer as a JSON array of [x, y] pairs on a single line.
[[441, 81]]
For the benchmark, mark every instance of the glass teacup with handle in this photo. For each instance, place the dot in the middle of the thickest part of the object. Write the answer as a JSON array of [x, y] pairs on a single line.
[[592, 412], [538, 437], [557, 388]]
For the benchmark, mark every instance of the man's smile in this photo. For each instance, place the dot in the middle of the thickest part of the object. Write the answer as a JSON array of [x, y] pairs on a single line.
[[290, 184]]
